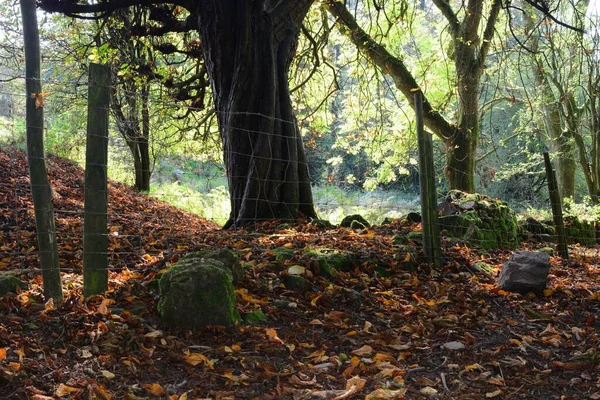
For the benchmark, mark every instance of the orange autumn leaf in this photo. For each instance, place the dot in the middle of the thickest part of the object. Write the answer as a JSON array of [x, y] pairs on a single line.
[[3, 353], [63, 390], [154, 389]]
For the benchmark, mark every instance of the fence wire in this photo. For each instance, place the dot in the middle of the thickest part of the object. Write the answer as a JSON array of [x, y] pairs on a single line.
[[484, 224]]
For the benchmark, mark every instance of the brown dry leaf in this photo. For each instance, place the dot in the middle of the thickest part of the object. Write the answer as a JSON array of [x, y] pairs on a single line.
[[195, 358], [39, 99], [103, 307], [63, 390], [353, 386], [363, 351], [383, 357], [493, 394], [272, 334], [154, 389], [386, 394], [41, 397], [549, 331]]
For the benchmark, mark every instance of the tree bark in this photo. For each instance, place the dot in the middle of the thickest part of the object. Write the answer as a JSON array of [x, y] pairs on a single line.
[[248, 49], [38, 175]]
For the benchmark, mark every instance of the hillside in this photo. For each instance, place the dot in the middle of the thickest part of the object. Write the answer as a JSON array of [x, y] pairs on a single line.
[[389, 329]]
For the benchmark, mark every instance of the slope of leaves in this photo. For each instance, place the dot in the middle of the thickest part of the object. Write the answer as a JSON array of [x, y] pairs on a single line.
[[391, 328]]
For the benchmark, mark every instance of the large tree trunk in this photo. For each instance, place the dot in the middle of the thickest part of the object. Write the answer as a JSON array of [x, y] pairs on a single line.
[[461, 146], [248, 50]]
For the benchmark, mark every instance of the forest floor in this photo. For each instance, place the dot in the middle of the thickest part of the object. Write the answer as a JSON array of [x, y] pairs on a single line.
[[411, 332]]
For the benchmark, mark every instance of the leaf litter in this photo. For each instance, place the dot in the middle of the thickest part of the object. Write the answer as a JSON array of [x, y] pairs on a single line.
[[389, 329]]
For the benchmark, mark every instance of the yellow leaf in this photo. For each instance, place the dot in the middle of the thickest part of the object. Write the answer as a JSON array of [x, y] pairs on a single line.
[[548, 292], [317, 353], [107, 374], [195, 358], [64, 390], [243, 293], [313, 302], [415, 89], [154, 389], [383, 357]]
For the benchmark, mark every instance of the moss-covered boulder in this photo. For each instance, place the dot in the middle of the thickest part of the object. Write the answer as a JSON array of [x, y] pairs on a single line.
[[197, 292], [298, 283], [479, 220], [230, 260], [11, 284], [539, 230], [580, 231], [331, 259], [322, 223], [355, 221]]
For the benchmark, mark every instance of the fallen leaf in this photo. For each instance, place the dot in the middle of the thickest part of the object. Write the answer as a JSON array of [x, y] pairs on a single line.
[[154, 389], [63, 390], [363, 351]]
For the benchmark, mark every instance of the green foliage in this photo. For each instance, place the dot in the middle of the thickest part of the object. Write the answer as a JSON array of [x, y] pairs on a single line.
[[213, 205]]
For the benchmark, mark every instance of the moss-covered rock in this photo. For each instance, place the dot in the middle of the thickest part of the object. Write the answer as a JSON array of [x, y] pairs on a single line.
[[11, 284], [230, 260], [355, 221], [400, 239], [283, 253], [197, 292], [331, 259], [580, 231], [322, 223], [479, 220], [295, 282]]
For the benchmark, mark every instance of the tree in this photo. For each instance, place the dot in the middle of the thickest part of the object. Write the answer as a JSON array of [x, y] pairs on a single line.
[[38, 174], [470, 47], [248, 47]]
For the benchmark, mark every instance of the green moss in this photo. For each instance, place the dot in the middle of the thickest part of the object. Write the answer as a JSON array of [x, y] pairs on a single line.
[[254, 317], [283, 253], [196, 293], [330, 260], [355, 221], [580, 231], [10, 284], [480, 221]]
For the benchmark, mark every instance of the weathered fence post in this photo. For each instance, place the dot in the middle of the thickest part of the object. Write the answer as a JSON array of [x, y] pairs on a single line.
[[38, 175], [430, 225], [95, 232], [555, 202]]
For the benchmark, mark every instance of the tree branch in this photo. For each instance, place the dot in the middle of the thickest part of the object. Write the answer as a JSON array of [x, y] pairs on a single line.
[[75, 9], [488, 33], [444, 7], [388, 64]]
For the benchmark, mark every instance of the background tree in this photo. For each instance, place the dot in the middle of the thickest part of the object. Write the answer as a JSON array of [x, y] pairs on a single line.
[[249, 46], [471, 41]]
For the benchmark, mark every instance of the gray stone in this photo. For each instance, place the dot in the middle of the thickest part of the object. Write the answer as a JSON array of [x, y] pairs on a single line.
[[524, 272], [197, 292]]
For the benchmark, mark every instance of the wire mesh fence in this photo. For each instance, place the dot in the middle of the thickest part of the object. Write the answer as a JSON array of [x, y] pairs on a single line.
[[142, 231]]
